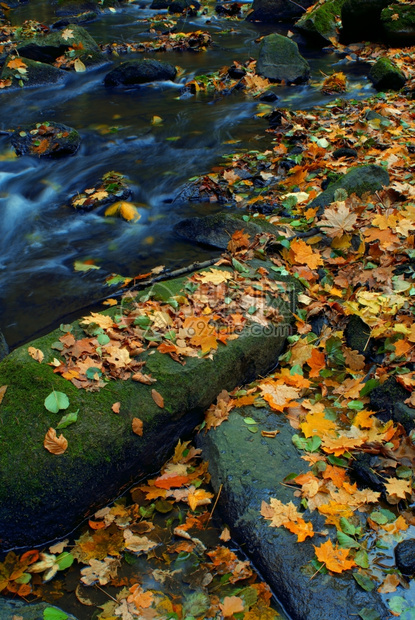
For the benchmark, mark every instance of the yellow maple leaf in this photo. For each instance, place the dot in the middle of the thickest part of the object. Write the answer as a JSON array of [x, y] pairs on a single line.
[[317, 424], [214, 276], [303, 254], [102, 320], [279, 396], [337, 220], [399, 488]]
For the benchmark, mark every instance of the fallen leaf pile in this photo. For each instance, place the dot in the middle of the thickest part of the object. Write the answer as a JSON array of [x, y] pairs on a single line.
[[151, 557], [111, 187], [197, 41], [213, 308]]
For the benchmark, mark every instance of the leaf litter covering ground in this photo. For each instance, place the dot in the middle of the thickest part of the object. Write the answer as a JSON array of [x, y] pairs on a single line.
[[157, 556]]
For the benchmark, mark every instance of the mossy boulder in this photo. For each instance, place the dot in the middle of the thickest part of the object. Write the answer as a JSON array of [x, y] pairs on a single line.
[[398, 21], [12, 610], [47, 139], [359, 180], [82, 18], [44, 495], [133, 73], [386, 75], [277, 10], [249, 469], [30, 73], [321, 22], [50, 46], [279, 59], [361, 19], [216, 230]]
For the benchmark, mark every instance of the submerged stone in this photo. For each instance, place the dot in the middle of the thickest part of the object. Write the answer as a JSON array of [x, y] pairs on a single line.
[[249, 469], [405, 556], [279, 59], [14, 610]]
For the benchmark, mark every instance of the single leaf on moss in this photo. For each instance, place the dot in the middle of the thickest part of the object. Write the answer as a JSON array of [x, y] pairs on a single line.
[[3, 389], [158, 399], [56, 401], [68, 419], [54, 444], [37, 354], [137, 426]]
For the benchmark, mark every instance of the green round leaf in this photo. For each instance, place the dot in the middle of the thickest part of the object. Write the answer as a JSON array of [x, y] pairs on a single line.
[[56, 401], [52, 613]]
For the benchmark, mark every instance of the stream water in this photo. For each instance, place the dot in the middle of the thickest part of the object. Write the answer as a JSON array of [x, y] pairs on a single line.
[[40, 238]]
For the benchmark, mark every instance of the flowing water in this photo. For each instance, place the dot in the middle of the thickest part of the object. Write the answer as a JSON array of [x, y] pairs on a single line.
[[40, 237]]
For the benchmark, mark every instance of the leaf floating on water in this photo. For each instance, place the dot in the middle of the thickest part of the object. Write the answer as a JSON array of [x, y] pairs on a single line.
[[125, 210], [52, 613], [80, 265], [56, 401], [79, 66], [231, 605], [137, 426], [156, 120], [37, 354], [158, 399], [3, 389], [54, 444]]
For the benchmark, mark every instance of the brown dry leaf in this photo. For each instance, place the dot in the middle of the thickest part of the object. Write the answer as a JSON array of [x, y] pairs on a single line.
[[231, 605], [390, 584], [158, 399], [337, 220], [137, 544], [54, 444], [37, 354], [225, 535], [269, 434], [3, 390], [142, 378], [116, 408], [137, 426]]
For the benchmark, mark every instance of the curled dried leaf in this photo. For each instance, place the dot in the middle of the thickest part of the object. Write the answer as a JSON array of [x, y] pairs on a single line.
[[54, 444]]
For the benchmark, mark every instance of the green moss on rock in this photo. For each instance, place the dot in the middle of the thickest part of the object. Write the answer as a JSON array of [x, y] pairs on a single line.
[[44, 495], [321, 21], [279, 59], [386, 75], [36, 73], [398, 22]]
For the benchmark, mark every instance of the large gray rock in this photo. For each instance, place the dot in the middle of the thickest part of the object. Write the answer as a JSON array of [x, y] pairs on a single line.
[[132, 73], [35, 73], [279, 59], [321, 22], [400, 32], [358, 181], [386, 75], [10, 610], [42, 495], [361, 19], [250, 468], [278, 10], [49, 47]]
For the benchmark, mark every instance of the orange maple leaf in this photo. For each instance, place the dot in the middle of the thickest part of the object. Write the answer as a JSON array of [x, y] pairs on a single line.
[[302, 528], [334, 558], [317, 362], [304, 254], [279, 396], [16, 63]]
